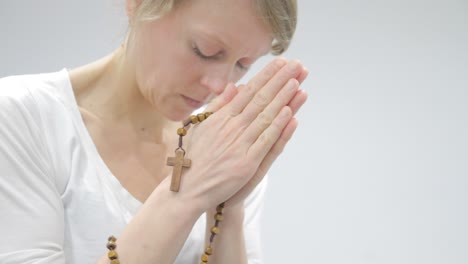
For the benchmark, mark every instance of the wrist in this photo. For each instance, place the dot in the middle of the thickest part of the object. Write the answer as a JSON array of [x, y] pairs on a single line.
[[176, 202], [165, 220], [236, 210], [231, 215]]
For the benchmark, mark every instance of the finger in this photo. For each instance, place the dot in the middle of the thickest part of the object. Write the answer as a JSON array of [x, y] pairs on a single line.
[[265, 165], [277, 149], [263, 97], [266, 117], [268, 138], [265, 75], [303, 75], [246, 93], [298, 101], [218, 102]]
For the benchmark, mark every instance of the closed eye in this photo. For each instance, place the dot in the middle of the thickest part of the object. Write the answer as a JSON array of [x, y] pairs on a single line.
[[242, 67], [203, 56], [200, 54], [216, 56]]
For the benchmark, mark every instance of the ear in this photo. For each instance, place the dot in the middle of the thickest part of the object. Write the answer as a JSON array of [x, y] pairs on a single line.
[[131, 6]]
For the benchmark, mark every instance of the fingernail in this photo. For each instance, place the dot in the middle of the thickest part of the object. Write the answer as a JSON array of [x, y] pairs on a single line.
[[280, 62], [291, 85], [292, 65]]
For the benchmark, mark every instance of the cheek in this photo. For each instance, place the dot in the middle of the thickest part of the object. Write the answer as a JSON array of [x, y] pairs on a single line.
[[155, 61], [165, 63], [188, 68], [146, 52]]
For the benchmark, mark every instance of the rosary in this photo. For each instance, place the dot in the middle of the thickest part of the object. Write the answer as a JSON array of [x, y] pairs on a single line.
[[179, 162]]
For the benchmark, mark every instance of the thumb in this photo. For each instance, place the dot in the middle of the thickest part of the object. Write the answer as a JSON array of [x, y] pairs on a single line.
[[221, 100]]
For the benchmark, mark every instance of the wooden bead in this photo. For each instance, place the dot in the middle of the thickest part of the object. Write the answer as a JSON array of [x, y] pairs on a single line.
[[112, 254], [201, 117], [209, 251], [219, 217], [115, 261], [181, 131], [194, 119], [219, 209], [204, 258], [215, 230], [111, 245]]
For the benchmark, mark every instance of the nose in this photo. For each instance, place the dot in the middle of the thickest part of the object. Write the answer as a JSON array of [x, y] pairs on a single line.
[[216, 78]]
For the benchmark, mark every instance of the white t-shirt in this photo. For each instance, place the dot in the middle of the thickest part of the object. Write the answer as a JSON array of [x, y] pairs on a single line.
[[59, 202]]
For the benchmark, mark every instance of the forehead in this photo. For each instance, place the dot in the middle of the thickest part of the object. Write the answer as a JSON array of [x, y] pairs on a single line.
[[235, 24]]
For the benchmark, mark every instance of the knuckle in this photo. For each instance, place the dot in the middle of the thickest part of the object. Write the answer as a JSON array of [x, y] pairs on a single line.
[[264, 119], [249, 88], [266, 139], [260, 100]]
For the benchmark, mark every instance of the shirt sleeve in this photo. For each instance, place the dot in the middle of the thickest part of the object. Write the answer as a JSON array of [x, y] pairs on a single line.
[[254, 205], [31, 211]]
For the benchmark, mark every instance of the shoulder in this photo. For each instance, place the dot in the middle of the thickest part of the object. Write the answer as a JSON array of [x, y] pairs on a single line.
[[28, 179], [29, 91], [36, 128], [29, 102], [35, 101]]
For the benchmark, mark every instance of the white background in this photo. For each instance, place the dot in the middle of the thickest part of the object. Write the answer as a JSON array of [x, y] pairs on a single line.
[[378, 169]]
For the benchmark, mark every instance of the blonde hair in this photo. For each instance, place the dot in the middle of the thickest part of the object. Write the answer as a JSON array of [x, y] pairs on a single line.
[[280, 16]]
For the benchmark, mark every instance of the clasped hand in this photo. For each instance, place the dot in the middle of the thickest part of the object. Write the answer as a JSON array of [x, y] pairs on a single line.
[[233, 149]]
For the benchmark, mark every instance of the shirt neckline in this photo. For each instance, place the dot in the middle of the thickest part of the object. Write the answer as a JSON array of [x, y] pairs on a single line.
[[123, 195]]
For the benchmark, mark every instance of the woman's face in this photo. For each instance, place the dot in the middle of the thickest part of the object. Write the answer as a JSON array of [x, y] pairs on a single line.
[[186, 57]]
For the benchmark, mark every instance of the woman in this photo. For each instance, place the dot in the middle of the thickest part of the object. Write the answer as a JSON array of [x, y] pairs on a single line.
[[83, 153]]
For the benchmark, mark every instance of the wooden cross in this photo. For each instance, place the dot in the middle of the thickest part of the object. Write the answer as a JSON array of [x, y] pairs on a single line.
[[178, 162]]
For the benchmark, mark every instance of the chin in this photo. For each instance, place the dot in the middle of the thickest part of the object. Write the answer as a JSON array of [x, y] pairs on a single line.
[[179, 110]]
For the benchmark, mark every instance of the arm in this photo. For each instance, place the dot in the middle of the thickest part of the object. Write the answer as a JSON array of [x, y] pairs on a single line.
[[31, 212], [32, 222], [158, 231], [33, 226], [231, 247], [226, 156]]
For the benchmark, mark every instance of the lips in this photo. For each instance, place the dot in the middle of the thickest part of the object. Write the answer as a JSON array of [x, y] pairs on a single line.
[[192, 102]]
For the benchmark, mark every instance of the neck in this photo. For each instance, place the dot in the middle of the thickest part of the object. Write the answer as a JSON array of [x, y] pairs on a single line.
[[107, 89]]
